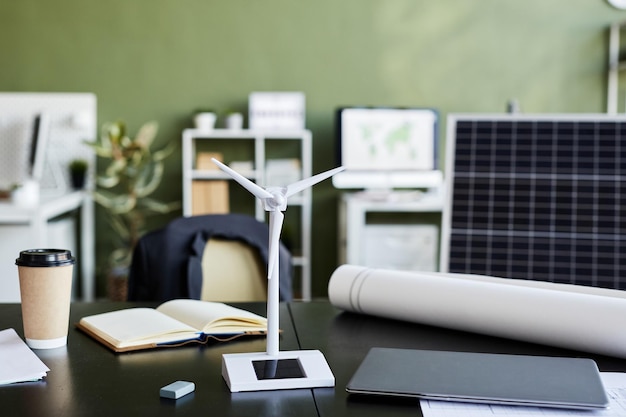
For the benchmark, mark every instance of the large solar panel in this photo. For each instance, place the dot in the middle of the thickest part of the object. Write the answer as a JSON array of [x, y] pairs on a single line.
[[537, 197]]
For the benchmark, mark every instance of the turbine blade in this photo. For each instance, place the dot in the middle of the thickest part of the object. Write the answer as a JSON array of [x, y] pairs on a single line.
[[245, 183], [296, 187], [276, 225]]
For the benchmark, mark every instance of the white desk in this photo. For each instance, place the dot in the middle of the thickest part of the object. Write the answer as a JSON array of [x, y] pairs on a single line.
[[30, 228]]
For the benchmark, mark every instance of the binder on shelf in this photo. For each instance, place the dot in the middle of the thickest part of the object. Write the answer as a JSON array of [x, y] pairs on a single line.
[[209, 196]]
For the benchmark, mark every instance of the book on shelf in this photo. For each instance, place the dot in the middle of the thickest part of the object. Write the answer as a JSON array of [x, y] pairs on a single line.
[[173, 323], [209, 196]]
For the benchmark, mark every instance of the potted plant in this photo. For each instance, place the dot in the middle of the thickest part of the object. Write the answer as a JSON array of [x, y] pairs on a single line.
[[204, 119], [233, 120], [78, 173], [133, 173]]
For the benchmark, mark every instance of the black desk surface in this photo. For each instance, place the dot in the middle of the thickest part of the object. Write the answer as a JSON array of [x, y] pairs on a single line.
[[86, 379]]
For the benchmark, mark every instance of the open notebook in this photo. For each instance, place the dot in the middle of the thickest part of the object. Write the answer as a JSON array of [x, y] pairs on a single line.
[[173, 323]]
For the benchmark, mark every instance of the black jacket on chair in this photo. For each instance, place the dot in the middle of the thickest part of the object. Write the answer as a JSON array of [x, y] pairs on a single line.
[[167, 263]]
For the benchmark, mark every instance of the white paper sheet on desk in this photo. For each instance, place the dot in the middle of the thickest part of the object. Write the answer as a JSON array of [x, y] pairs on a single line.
[[614, 383], [17, 362]]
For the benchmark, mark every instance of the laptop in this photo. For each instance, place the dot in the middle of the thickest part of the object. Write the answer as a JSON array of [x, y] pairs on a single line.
[[481, 378]]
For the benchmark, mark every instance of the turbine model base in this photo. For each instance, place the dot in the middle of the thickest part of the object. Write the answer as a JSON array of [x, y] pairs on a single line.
[[259, 371]]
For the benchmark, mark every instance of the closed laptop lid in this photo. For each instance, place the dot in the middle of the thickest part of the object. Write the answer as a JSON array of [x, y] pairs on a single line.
[[481, 377]]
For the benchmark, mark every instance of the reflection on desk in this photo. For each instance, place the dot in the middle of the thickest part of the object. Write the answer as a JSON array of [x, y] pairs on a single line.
[[86, 378]]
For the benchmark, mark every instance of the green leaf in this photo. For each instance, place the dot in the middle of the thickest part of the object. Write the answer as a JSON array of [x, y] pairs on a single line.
[[107, 181], [165, 152], [158, 206], [149, 179], [146, 134], [115, 203], [121, 229], [99, 149]]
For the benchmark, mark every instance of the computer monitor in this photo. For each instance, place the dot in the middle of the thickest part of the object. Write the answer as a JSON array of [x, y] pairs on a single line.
[[41, 134], [38, 144], [387, 148]]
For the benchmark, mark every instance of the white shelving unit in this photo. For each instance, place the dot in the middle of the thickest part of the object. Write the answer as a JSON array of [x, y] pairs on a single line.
[[191, 137]]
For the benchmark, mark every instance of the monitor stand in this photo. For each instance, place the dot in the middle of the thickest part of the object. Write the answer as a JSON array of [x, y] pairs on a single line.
[[259, 371]]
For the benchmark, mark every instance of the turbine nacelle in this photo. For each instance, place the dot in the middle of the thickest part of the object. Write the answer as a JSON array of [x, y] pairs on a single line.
[[278, 201]]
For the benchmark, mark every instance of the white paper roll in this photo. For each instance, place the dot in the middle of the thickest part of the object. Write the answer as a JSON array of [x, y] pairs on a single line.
[[569, 316]]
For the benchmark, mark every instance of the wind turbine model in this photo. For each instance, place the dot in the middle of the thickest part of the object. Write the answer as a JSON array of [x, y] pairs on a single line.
[[275, 369]]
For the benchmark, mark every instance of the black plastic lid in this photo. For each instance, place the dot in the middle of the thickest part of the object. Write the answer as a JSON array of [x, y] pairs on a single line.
[[45, 257]]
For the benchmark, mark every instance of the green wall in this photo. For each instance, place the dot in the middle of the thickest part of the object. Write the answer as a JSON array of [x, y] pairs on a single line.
[[161, 59]]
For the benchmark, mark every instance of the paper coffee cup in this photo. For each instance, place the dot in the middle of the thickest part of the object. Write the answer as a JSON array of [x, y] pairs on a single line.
[[45, 288]]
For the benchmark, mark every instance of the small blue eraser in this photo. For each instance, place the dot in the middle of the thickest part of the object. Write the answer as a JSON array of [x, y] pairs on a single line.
[[177, 389]]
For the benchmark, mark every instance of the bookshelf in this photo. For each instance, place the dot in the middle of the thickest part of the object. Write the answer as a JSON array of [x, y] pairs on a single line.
[[248, 152]]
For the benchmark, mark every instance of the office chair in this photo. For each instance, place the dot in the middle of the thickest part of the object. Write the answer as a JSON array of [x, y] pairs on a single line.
[[215, 257]]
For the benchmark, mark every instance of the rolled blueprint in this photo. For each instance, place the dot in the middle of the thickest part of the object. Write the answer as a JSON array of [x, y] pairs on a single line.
[[569, 316]]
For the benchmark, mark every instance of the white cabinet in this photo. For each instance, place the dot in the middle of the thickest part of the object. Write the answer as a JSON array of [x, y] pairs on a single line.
[[397, 243], [406, 247], [257, 147]]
